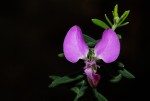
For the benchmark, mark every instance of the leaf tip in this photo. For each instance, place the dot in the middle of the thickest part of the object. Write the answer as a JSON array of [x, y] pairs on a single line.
[[61, 55]]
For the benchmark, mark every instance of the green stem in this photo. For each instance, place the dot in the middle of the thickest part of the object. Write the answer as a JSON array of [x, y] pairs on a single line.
[[114, 26]]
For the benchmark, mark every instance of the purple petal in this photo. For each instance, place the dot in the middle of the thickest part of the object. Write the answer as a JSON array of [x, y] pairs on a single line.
[[108, 48], [74, 46], [93, 78]]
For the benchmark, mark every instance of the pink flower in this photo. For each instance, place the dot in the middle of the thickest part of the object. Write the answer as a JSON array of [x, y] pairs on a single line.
[[75, 48]]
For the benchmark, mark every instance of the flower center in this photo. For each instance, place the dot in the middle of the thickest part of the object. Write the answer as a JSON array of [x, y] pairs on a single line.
[[91, 55], [91, 65]]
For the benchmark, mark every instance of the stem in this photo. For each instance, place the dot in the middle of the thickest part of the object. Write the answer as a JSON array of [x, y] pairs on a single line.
[[116, 21], [114, 26]]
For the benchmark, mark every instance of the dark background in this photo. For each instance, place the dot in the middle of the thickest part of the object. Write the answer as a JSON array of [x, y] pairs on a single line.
[[31, 36]]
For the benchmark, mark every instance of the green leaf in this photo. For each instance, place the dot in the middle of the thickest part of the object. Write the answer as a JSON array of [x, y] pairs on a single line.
[[116, 79], [54, 77], [99, 96], [123, 24], [123, 17], [119, 36], [126, 74], [93, 43], [75, 89], [120, 65], [100, 23], [61, 55], [63, 80], [89, 40], [81, 83], [115, 12], [110, 23], [79, 90]]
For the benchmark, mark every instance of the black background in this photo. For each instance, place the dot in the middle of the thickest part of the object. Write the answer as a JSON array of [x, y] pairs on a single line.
[[31, 36]]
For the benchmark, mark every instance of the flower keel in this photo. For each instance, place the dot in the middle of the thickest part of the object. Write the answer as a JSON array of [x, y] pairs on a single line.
[[90, 71]]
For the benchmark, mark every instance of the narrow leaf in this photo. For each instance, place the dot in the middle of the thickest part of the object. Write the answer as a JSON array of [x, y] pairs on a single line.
[[80, 93], [115, 12], [54, 77], [88, 38], [120, 65], [63, 80], [61, 55], [99, 96], [79, 90], [100, 23], [93, 43], [123, 24], [126, 74], [119, 36], [116, 79], [108, 20], [81, 83], [75, 89], [123, 17]]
